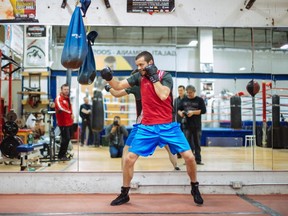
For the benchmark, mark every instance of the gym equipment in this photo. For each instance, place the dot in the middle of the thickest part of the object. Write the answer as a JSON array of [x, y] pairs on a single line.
[[10, 128], [11, 116], [87, 71], [9, 147], [253, 87], [106, 73], [235, 110], [97, 114], [49, 144], [29, 155], [275, 111], [84, 6], [75, 46]]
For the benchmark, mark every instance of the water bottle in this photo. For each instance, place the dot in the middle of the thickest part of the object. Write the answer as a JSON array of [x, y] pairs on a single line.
[[30, 138]]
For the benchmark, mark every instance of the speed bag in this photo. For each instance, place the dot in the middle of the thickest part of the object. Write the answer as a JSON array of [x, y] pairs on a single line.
[[75, 46], [235, 110], [87, 71], [97, 112]]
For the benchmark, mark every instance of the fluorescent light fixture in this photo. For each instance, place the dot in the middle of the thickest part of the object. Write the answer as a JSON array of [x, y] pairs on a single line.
[[242, 69], [285, 46], [193, 43]]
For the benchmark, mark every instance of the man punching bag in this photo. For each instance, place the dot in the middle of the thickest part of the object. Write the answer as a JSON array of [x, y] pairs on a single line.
[[235, 109], [97, 116]]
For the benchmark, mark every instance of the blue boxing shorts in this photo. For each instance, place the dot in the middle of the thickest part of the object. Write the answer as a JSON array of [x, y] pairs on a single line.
[[148, 137], [131, 135]]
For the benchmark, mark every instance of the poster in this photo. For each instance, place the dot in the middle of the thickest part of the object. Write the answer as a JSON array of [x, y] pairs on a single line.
[[36, 46], [146, 6], [18, 11]]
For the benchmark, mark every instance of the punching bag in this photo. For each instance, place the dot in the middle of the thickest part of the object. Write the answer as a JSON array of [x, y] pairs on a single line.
[[275, 111], [97, 112], [235, 109], [253, 87], [87, 71], [75, 46]]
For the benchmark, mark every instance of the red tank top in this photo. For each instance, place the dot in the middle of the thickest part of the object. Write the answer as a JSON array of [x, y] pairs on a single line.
[[155, 111]]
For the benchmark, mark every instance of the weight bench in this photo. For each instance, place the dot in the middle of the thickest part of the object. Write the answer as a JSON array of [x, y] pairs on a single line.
[[28, 154]]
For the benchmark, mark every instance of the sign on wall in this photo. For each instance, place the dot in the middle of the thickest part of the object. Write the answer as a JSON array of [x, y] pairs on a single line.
[[18, 11], [36, 47], [156, 6]]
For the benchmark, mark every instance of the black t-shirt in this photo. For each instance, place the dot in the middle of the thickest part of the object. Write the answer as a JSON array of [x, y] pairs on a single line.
[[197, 103], [135, 90], [84, 115]]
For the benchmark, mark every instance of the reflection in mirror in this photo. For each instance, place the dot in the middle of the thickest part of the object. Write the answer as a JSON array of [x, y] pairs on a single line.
[[218, 62], [277, 136]]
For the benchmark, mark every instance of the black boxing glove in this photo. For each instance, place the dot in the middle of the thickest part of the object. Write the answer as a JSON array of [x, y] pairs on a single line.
[[107, 74], [107, 87], [151, 73]]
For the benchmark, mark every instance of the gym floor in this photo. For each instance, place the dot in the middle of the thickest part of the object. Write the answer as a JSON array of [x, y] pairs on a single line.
[[214, 158], [91, 159], [143, 204]]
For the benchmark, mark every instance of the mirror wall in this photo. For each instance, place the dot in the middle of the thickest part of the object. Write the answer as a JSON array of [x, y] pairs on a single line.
[[219, 62]]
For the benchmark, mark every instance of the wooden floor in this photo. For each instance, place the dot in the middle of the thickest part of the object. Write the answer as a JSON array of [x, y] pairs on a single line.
[[143, 204], [214, 159]]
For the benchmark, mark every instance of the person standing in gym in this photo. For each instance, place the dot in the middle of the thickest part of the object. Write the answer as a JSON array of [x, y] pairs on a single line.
[[181, 95], [191, 108], [64, 118], [85, 114], [157, 127]]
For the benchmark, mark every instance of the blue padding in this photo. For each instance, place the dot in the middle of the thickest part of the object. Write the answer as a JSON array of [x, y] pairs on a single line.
[[28, 148], [223, 132]]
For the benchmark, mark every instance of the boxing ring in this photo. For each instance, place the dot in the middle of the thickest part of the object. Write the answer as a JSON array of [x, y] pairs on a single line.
[[271, 114]]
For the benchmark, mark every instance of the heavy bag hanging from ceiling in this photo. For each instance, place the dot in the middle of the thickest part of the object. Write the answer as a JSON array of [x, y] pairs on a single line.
[[75, 46], [97, 115], [87, 71], [235, 110]]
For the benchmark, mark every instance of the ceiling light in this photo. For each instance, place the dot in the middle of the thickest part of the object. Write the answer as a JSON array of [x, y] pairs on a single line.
[[242, 69], [193, 43]]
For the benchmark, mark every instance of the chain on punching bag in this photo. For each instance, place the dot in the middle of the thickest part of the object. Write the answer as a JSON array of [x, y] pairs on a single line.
[[235, 109]]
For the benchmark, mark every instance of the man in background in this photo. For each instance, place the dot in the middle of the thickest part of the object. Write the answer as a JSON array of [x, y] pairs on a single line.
[[64, 118], [85, 114], [181, 95], [191, 108]]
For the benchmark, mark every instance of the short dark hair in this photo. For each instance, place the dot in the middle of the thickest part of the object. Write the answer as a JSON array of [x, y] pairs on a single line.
[[191, 87], [181, 86], [147, 56], [64, 85]]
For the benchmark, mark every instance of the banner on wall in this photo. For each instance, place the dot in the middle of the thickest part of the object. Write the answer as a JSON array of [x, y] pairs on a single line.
[[123, 58], [18, 11], [156, 6], [36, 47]]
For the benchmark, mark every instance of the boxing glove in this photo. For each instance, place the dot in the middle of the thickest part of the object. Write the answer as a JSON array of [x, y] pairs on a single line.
[[151, 73], [107, 87], [106, 74]]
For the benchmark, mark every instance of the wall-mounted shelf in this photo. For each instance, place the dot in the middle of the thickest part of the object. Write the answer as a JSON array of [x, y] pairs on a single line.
[[42, 74], [43, 102], [31, 93]]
